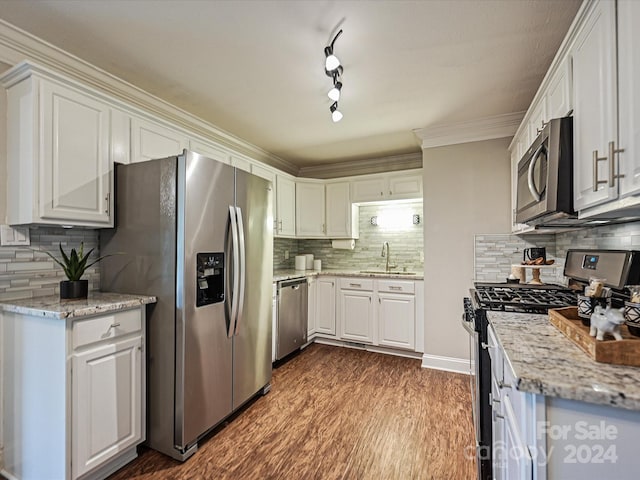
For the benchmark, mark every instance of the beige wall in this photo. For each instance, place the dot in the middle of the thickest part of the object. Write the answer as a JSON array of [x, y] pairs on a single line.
[[466, 192], [3, 147]]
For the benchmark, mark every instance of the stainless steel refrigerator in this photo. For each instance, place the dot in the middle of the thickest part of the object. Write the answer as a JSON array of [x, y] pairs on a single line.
[[197, 234]]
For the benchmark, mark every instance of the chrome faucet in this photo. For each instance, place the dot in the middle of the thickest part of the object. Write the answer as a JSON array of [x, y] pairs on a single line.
[[386, 253]]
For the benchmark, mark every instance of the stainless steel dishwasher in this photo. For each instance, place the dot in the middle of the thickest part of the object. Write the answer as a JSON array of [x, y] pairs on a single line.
[[292, 316]]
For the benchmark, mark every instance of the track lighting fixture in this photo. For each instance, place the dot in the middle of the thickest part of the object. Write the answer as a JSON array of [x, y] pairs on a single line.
[[331, 62], [334, 70], [336, 115]]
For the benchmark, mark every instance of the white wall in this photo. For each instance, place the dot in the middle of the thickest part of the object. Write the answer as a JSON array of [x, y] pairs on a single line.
[[467, 190]]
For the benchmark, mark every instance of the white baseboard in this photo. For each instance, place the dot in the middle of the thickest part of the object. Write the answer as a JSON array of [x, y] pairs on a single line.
[[448, 364]]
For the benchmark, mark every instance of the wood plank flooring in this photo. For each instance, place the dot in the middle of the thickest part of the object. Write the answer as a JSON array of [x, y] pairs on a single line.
[[337, 413]]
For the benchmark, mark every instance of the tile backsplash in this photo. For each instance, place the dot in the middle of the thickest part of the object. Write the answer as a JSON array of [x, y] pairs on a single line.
[[494, 254], [405, 242], [28, 272]]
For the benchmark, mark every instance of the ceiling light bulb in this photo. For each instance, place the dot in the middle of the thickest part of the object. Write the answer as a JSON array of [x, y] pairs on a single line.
[[331, 63], [334, 93], [336, 115]]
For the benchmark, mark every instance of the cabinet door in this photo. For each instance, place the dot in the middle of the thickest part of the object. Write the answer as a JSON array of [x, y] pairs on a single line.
[[326, 306], [242, 163], [558, 94], [286, 207], [309, 209], [106, 403], [150, 141], [595, 122], [537, 118], [396, 320], [368, 190], [629, 95], [517, 458], [406, 186], [356, 316], [75, 174], [498, 459], [312, 307], [341, 214]]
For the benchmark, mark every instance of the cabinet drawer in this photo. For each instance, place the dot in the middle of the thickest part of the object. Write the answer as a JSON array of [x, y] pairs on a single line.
[[396, 286], [356, 284], [105, 327]]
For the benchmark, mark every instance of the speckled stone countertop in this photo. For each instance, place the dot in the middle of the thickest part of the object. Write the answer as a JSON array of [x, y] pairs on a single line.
[[279, 275], [545, 362], [53, 307]]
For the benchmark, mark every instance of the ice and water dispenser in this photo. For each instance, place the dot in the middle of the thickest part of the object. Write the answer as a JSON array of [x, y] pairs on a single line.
[[210, 287]]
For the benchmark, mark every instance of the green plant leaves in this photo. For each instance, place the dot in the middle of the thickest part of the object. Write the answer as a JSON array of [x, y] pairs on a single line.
[[75, 264]]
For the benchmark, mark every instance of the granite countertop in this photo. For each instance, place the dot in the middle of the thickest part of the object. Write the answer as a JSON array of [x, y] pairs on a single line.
[[545, 362], [53, 307], [279, 275]]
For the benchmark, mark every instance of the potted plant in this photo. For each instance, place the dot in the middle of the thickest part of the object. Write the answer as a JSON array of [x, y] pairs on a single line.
[[74, 266]]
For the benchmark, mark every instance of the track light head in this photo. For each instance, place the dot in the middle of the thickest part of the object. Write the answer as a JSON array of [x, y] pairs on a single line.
[[331, 63], [334, 93], [336, 115]]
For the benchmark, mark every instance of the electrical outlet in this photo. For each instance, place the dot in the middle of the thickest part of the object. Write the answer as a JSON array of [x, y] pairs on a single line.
[[18, 236], [422, 257], [286, 254]]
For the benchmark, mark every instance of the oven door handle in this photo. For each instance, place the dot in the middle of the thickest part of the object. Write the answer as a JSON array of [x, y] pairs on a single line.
[[532, 186]]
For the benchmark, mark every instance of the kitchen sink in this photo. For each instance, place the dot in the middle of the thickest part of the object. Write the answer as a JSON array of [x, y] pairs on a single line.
[[382, 272]]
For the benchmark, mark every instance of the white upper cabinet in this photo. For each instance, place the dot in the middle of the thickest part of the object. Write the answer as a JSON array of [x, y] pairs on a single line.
[[558, 94], [368, 189], [310, 209], [390, 186], [241, 162], [537, 119], [629, 96], [150, 140], [341, 215], [286, 207], [270, 175], [595, 116], [58, 141]]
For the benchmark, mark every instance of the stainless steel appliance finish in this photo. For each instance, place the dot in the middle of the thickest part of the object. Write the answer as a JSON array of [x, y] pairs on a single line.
[[292, 316], [617, 267], [545, 178], [197, 234]]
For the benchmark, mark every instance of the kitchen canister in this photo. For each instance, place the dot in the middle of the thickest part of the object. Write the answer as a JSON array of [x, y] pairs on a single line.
[[309, 261], [317, 265], [301, 262]]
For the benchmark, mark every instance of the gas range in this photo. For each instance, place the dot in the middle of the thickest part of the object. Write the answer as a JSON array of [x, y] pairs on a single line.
[[508, 297]]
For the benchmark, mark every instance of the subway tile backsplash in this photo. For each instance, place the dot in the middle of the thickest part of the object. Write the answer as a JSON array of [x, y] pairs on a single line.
[[28, 272], [405, 242]]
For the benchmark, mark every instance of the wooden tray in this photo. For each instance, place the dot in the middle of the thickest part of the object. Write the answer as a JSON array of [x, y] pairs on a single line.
[[618, 352]]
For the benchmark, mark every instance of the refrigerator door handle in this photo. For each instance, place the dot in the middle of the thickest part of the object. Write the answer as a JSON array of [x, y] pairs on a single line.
[[243, 268], [236, 271]]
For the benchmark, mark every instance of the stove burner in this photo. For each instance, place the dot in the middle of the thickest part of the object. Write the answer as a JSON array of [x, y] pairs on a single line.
[[522, 299]]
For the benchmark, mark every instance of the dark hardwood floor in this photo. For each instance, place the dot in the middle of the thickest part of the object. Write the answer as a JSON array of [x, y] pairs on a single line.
[[337, 413]]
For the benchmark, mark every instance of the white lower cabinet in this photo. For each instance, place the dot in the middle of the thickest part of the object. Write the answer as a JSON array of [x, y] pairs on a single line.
[[326, 306], [76, 406], [312, 305], [396, 320], [107, 396], [356, 314]]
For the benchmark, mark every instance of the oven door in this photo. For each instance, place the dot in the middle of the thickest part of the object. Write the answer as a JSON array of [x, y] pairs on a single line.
[[533, 175]]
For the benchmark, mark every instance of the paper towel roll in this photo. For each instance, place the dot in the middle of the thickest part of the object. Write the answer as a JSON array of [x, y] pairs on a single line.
[[317, 265], [301, 262], [343, 244], [309, 259]]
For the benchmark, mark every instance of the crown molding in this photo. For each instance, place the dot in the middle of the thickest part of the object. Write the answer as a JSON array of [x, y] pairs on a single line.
[[17, 45], [498, 126], [392, 163]]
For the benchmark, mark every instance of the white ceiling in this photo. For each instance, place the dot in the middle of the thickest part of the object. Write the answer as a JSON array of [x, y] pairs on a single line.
[[256, 67]]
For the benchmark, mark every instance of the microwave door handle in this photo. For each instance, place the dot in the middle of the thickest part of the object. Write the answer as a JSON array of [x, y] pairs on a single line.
[[532, 186]]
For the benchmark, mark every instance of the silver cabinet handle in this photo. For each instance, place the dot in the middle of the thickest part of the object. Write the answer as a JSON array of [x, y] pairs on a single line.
[[501, 384], [355, 285], [393, 287], [597, 159], [612, 163], [486, 345], [114, 325], [108, 207]]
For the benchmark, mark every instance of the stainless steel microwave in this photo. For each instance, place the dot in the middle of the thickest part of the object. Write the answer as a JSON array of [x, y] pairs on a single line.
[[545, 177]]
